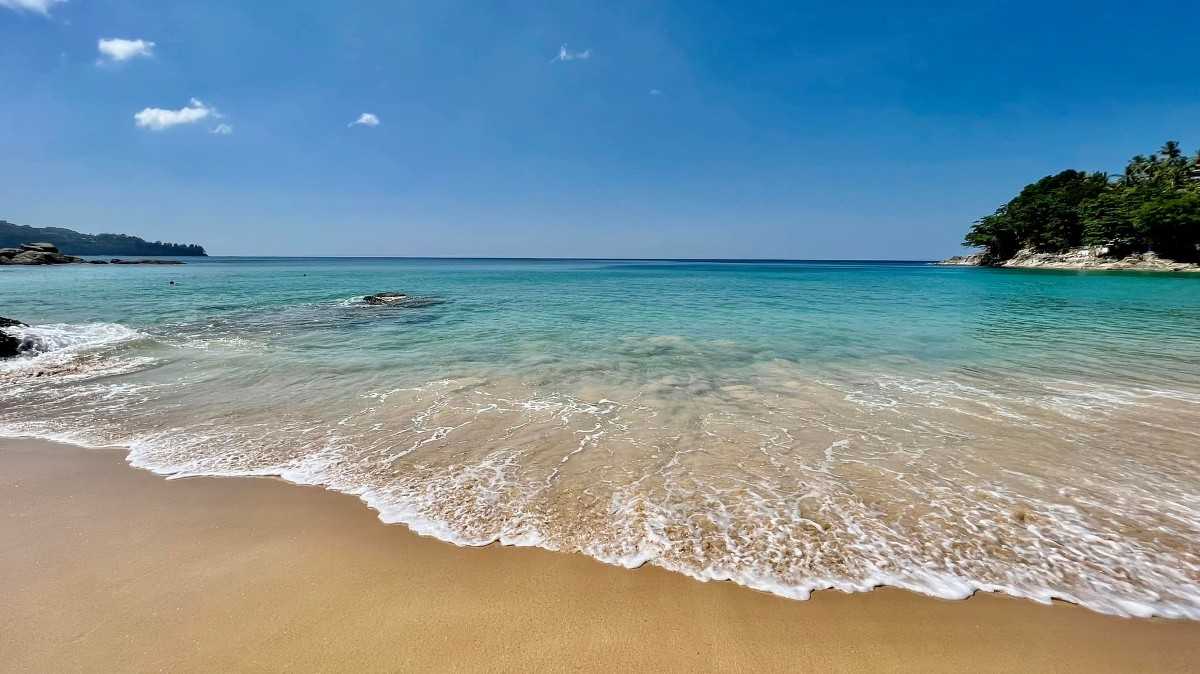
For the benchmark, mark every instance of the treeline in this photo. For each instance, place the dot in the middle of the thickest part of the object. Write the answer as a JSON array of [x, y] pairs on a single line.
[[1153, 206], [71, 242]]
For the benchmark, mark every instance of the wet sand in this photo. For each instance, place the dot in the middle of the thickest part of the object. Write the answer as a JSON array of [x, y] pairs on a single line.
[[108, 568]]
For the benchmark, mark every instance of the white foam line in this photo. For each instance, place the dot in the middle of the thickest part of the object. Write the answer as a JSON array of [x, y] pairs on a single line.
[[931, 583]]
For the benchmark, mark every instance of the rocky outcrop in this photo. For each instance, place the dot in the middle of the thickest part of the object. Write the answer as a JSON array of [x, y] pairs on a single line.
[[35, 254], [1091, 258], [963, 261], [10, 345], [1095, 258]]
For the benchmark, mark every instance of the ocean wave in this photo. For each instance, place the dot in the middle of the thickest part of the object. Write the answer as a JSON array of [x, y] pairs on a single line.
[[42, 339], [70, 351], [937, 494]]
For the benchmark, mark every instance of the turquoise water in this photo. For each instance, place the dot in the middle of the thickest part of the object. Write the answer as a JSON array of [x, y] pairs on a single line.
[[788, 426]]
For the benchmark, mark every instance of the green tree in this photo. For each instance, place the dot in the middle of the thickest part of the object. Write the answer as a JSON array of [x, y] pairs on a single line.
[[995, 235], [1171, 227], [1108, 221], [1153, 205], [1045, 216]]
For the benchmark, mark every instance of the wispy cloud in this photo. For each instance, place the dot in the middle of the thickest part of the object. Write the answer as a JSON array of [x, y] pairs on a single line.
[[656, 92], [365, 119], [158, 119], [565, 54], [36, 6], [222, 129], [120, 49]]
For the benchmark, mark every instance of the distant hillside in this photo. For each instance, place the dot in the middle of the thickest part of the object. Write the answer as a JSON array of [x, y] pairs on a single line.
[[71, 242]]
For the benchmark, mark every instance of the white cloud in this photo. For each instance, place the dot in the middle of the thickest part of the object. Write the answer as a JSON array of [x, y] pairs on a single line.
[[365, 119], [119, 49], [222, 129], [157, 119], [565, 54], [656, 92], [36, 6]]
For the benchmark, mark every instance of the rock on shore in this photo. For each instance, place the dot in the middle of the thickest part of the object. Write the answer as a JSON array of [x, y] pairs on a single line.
[[963, 260], [1095, 258]]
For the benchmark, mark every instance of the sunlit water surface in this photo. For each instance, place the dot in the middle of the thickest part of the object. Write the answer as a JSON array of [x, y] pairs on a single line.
[[788, 426]]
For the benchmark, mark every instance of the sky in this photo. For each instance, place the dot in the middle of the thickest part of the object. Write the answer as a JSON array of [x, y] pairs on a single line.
[[801, 130]]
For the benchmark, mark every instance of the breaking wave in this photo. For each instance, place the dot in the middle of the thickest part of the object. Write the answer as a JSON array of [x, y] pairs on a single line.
[[934, 485]]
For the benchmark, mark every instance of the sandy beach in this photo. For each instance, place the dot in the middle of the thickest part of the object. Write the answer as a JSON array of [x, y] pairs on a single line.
[[108, 568]]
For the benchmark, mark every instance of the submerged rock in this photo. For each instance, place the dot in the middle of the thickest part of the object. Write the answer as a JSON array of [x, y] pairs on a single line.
[[386, 298], [400, 300]]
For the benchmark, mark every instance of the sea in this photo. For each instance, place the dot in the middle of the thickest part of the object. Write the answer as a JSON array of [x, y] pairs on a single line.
[[787, 426]]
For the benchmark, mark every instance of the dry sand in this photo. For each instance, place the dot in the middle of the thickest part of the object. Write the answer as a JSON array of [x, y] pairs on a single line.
[[107, 568]]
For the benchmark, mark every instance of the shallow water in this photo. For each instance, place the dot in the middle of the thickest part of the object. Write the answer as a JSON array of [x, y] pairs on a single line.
[[788, 426]]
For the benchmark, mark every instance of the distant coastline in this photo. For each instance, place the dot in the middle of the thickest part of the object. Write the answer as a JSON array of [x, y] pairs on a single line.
[[71, 242]]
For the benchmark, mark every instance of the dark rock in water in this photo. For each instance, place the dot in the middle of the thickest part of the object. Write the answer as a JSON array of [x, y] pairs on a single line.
[[33, 257], [96, 261], [401, 300], [117, 260], [9, 346], [385, 298], [35, 253], [37, 257]]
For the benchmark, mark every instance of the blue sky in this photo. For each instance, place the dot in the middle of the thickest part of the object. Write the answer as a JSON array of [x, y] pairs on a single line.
[[671, 129]]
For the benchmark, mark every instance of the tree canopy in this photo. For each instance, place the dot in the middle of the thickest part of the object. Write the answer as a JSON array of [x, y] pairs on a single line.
[[1153, 206]]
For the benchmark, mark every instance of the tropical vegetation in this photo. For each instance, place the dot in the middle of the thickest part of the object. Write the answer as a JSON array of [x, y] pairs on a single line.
[[1154, 206]]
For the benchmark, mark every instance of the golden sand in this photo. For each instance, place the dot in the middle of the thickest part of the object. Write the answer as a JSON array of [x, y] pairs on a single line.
[[107, 568]]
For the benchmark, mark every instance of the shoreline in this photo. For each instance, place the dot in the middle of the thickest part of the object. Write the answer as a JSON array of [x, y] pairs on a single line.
[[197, 573], [1080, 259]]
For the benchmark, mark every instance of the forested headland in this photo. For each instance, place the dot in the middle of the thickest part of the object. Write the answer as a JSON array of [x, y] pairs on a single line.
[[1154, 206]]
